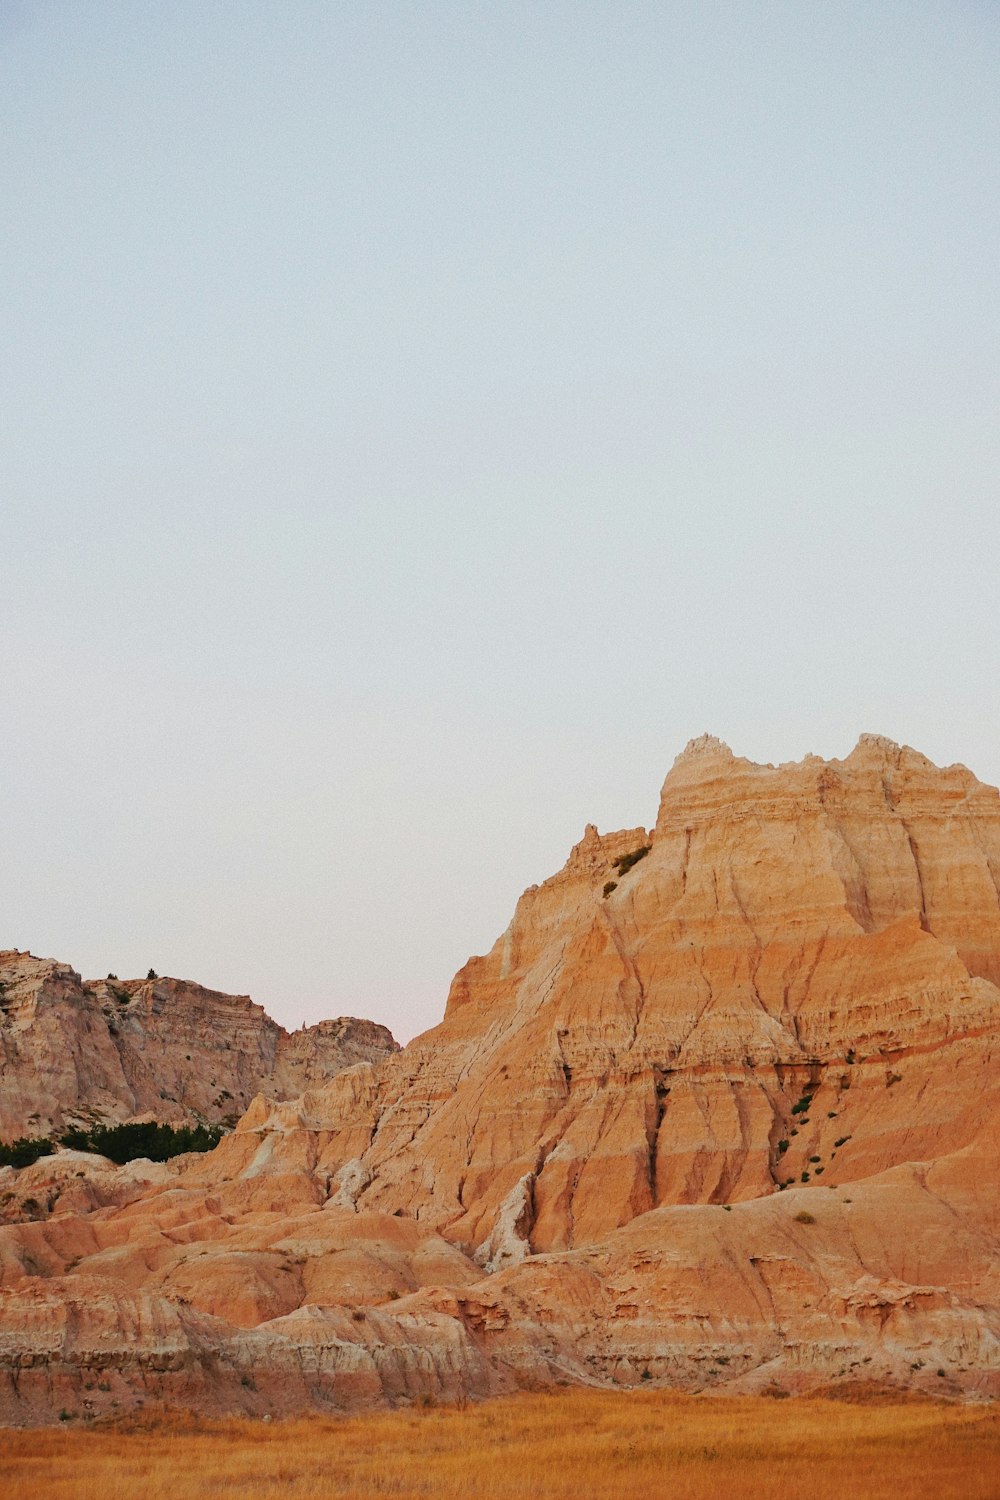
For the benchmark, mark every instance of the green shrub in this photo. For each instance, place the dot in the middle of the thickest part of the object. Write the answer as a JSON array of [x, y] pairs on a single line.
[[624, 862], [803, 1105], [23, 1152], [122, 1143], [782, 1147], [843, 1140]]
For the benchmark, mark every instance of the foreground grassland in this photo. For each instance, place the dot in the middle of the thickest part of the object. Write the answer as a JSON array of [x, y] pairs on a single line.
[[564, 1446]]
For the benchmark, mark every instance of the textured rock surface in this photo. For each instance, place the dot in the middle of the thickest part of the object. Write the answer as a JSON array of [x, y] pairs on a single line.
[[734, 1123], [74, 1052]]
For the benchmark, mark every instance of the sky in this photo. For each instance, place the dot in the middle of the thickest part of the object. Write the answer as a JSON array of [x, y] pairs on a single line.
[[418, 420]]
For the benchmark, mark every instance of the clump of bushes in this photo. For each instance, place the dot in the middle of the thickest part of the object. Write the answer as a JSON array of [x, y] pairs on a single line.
[[624, 862], [24, 1152], [609, 886], [803, 1105], [804, 1217], [122, 1143]]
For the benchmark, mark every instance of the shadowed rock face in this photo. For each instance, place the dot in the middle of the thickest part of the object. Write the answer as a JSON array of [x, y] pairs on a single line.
[[74, 1052], [736, 1121]]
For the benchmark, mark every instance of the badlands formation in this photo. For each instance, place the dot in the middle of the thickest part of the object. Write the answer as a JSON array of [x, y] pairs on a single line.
[[721, 1117], [76, 1054]]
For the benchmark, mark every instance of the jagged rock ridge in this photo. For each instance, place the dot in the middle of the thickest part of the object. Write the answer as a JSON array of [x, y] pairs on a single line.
[[108, 1050], [733, 1122]]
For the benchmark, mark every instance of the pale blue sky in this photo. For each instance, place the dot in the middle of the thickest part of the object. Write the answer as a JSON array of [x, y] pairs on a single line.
[[418, 420]]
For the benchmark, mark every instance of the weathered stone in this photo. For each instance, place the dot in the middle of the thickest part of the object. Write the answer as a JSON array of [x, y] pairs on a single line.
[[735, 1123], [111, 1050]]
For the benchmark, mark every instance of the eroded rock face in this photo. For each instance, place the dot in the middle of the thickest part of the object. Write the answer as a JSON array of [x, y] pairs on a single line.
[[109, 1050], [826, 931], [720, 1108]]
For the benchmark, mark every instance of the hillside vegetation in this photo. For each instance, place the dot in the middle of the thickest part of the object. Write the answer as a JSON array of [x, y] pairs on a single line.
[[119, 1143]]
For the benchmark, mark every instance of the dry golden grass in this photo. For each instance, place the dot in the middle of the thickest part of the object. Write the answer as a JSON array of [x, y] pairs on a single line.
[[575, 1445]]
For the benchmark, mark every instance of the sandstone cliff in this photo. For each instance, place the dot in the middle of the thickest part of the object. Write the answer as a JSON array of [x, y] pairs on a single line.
[[77, 1053], [719, 1108], [828, 931]]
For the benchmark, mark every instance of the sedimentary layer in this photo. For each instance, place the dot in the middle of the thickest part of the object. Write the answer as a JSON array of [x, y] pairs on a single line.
[[719, 1108], [104, 1051]]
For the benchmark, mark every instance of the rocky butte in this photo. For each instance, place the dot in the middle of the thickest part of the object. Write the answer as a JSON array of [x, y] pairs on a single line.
[[719, 1111], [107, 1051]]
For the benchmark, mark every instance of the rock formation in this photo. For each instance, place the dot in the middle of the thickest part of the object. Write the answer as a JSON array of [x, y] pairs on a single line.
[[718, 1110], [74, 1054]]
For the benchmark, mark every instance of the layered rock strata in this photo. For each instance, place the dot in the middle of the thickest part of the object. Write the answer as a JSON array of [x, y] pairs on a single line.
[[719, 1109], [76, 1053]]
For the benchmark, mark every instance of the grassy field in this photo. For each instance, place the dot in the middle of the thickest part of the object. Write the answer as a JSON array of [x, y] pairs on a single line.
[[566, 1446]]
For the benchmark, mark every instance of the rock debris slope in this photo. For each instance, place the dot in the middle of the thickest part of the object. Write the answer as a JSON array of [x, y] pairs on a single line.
[[719, 1109], [75, 1053]]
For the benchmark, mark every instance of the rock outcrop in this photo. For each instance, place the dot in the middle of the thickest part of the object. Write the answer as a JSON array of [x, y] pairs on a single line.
[[75, 1053], [718, 1110]]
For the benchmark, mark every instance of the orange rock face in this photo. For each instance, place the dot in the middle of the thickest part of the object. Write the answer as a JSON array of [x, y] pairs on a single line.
[[74, 1053], [719, 1108]]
